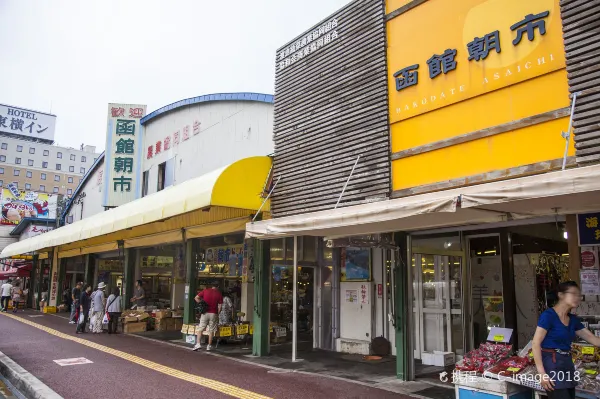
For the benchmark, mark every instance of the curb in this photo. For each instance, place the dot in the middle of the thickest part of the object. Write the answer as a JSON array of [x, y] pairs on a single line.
[[24, 381]]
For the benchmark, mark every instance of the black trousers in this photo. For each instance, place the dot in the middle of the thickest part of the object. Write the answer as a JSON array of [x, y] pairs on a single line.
[[113, 323], [81, 327], [5, 300], [562, 394]]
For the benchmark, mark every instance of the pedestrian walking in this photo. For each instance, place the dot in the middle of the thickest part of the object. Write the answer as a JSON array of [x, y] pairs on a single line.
[[98, 303], [213, 300], [75, 295], [16, 293], [113, 308], [84, 308], [5, 290]]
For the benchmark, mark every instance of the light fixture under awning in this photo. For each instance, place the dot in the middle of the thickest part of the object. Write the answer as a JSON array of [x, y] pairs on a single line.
[[239, 185], [563, 192]]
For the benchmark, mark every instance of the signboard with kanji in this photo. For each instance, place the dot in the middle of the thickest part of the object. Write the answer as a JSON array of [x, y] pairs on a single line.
[[25, 122], [123, 159], [588, 229], [20, 204]]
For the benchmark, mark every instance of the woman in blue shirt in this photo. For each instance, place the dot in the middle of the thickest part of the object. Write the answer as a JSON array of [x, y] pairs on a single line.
[[555, 333]]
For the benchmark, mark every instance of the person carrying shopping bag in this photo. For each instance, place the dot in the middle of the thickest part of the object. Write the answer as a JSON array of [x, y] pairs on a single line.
[[98, 301], [113, 310], [84, 309]]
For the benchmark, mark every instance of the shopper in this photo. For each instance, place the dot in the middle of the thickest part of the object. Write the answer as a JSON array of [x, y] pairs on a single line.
[[555, 333], [139, 294], [16, 293], [226, 313], [84, 308], [98, 303], [113, 307], [75, 295], [5, 290], [214, 300]]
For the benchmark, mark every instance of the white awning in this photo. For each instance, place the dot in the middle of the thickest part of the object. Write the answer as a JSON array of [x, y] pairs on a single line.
[[237, 185], [556, 193]]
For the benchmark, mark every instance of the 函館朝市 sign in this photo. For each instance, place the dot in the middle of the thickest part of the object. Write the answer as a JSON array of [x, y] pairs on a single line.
[[122, 165], [489, 44], [588, 227]]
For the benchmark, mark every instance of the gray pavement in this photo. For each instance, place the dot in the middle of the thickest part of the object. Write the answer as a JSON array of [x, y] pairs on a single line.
[[123, 366]]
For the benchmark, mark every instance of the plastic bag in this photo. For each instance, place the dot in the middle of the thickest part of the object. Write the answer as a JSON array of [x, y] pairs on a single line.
[[81, 319], [105, 319]]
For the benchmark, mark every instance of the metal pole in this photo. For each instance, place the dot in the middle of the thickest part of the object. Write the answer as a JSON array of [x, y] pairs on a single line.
[[346, 184], [295, 302], [567, 135], [266, 199]]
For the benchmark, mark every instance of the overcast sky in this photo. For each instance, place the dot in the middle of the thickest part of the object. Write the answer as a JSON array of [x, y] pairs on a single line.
[[74, 57]]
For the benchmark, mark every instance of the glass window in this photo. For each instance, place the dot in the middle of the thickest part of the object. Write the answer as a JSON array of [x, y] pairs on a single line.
[[277, 249], [72, 157], [58, 166], [46, 153], [82, 170], [55, 190], [18, 161], [2, 158], [28, 174], [4, 146], [56, 178], [27, 186], [30, 162], [43, 176], [44, 165], [59, 155], [16, 172], [42, 188], [19, 148], [70, 180], [71, 168], [69, 191], [1, 171], [31, 150], [1, 183], [83, 159]]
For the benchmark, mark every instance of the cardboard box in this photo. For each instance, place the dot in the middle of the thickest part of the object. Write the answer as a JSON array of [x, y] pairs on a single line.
[[170, 324], [161, 324], [161, 314], [178, 323], [130, 328], [130, 319], [438, 358]]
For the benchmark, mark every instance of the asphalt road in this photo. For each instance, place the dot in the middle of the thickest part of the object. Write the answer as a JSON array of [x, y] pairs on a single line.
[[129, 367]]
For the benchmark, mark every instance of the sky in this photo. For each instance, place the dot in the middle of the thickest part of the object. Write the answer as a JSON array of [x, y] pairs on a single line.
[[72, 58]]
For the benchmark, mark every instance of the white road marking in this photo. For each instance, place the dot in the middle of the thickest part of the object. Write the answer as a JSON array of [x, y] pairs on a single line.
[[73, 361]]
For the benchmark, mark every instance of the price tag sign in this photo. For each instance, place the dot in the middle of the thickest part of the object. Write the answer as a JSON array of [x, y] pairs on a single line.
[[513, 369], [242, 329], [591, 372], [588, 350], [225, 332], [498, 338]]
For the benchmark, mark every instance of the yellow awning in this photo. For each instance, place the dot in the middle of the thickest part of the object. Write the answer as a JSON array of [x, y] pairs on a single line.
[[239, 185]]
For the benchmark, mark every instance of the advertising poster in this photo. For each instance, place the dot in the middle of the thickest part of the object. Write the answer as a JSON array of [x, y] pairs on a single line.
[[357, 264], [590, 285], [494, 310], [589, 258], [19, 204], [351, 296]]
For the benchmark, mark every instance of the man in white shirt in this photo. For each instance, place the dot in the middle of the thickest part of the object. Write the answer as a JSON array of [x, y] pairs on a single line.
[[5, 291]]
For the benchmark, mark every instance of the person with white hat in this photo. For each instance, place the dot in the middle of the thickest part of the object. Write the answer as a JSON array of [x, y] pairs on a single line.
[[98, 303]]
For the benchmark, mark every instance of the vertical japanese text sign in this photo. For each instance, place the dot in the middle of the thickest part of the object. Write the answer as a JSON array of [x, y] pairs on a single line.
[[123, 157]]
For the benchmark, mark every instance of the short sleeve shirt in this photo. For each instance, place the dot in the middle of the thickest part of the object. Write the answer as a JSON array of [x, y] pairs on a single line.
[[138, 293], [213, 299], [558, 335], [76, 293]]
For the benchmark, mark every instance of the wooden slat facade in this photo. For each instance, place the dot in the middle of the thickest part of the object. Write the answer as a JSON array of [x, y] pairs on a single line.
[[581, 28], [331, 105]]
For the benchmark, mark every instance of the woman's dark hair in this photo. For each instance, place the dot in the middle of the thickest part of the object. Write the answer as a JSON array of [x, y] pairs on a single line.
[[139, 282], [564, 286], [116, 291], [86, 287]]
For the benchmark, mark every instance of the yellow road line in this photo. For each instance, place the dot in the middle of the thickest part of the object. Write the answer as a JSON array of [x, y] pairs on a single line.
[[230, 390]]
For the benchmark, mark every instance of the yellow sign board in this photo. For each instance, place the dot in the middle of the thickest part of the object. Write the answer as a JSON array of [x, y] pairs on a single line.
[[242, 329], [225, 331], [252, 329], [588, 350], [443, 51]]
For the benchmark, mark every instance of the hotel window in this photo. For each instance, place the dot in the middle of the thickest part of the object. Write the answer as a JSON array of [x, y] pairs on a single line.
[[70, 180], [16, 172], [82, 171], [4, 146], [30, 162], [69, 191], [71, 168], [44, 165], [31, 150], [72, 157], [19, 148], [46, 153], [59, 155], [43, 176], [18, 161], [28, 174], [42, 188], [55, 190], [56, 178], [83, 159], [1, 171], [27, 186], [2, 158], [58, 166]]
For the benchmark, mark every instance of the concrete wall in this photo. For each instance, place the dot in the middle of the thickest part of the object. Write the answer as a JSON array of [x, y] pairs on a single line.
[[92, 202]]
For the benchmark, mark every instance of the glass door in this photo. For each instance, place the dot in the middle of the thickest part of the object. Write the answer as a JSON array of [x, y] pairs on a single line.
[[437, 299]]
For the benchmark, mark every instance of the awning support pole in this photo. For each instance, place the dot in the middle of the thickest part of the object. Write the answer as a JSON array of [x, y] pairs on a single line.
[[567, 135], [266, 199], [295, 303], [346, 184]]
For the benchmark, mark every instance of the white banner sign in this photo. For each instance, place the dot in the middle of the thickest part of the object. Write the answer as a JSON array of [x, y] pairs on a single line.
[[25, 122], [123, 157]]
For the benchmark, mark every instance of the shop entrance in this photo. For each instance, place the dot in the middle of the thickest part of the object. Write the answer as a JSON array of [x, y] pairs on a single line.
[[437, 304]]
